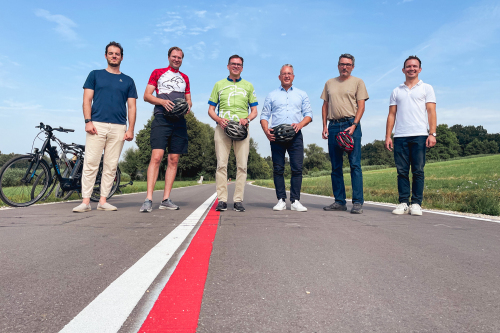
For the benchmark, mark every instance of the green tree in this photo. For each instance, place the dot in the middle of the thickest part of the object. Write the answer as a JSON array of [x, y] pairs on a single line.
[[490, 147], [474, 148], [375, 154], [316, 158], [467, 134], [130, 163], [446, 144], [257, 166]]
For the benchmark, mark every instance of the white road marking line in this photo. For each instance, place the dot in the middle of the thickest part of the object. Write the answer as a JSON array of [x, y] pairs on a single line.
[[108, 312], [393, 205]]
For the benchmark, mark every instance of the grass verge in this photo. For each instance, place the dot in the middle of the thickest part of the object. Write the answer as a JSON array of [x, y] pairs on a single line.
[[466, 185], [139, 186]]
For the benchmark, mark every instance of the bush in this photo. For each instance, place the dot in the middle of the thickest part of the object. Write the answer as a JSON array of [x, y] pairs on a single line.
[[12, 177], [125, 177]]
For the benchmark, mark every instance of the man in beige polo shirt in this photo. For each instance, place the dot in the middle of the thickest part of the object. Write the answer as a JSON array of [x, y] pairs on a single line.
[[343, 106]]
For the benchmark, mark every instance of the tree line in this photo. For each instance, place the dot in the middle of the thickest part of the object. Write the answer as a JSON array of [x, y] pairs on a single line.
[[452, 142]]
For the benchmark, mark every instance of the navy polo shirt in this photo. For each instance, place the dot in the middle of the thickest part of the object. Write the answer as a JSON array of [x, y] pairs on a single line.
[[111, 92]]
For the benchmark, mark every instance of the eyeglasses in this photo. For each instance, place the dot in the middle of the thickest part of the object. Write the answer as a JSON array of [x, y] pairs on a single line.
[[345, 65], [236, 65]]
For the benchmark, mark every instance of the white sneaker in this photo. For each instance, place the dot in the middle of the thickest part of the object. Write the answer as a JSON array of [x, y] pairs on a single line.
[[281, 205], [401, 209], [298, 206], [415, 209]]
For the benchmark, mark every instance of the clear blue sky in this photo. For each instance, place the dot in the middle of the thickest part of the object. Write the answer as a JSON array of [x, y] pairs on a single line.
[[48, 48]]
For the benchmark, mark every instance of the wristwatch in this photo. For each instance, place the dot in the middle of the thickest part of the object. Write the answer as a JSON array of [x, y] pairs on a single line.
[[355, 124], [248, 120], [88, 120], [433, 134]]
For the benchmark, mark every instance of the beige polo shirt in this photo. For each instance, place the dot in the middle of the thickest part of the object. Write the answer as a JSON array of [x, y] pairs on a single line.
[[342, 96]]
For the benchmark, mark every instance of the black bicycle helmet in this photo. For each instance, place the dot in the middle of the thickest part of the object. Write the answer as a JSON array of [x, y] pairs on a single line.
[[283, 133], [345, 141], [181, 107], [235, 131]]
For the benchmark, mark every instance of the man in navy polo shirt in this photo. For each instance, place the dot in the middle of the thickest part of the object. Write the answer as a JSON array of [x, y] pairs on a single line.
[[106, 94], [287, 105]]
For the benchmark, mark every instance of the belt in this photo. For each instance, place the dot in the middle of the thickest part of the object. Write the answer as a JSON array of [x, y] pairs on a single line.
[[341, 120]]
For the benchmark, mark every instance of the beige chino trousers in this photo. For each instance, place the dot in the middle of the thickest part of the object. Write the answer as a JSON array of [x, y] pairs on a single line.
[[109, 138], [222, 150]]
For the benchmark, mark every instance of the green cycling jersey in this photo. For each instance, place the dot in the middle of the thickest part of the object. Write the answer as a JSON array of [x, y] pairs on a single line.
[[233, 98]]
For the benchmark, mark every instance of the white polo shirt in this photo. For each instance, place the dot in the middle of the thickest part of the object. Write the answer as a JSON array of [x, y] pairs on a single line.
[[411, 115]]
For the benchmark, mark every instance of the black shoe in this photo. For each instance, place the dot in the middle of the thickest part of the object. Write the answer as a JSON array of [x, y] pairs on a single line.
[[221, 206], [335, 206], [357, 208], [238, 206]]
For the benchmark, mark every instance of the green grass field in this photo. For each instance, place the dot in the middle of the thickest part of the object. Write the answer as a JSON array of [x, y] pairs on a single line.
[[468, 185], [139, 186]]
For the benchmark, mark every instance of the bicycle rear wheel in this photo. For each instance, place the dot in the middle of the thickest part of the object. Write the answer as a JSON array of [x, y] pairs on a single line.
[[17, 178]]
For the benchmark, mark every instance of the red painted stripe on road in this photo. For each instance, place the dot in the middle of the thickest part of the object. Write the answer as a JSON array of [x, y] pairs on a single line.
[[178, 306]]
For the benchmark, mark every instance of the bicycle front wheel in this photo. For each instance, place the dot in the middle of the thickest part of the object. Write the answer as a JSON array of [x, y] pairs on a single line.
[[17, 181]]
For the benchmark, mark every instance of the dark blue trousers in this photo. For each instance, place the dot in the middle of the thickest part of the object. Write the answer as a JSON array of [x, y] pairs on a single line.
[[337, 159], [410, 151], [295, 149]]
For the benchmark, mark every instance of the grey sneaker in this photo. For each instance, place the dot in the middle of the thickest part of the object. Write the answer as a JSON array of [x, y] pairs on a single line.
[[147, 206], [221, 206], [168, 204], [82, 208], [238, 206], [357, 208], [335, 206]]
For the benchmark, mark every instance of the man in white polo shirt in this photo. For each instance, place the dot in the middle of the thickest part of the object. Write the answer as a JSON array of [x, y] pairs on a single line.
[[413, 109]]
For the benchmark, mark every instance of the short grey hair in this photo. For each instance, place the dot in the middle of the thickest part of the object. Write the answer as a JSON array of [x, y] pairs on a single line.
[[286, 65], [347, 56]]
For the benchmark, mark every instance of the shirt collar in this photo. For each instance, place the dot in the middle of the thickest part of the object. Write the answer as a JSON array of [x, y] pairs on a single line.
[[172, 69], [283, 89], [419, 83], [238, 80]]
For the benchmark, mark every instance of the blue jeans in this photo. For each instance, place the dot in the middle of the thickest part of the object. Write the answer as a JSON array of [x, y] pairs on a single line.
[[336, 157], [410, 151], [295, 149]]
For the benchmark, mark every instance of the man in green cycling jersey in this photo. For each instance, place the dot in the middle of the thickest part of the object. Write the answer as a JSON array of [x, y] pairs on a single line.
[[233, 96]]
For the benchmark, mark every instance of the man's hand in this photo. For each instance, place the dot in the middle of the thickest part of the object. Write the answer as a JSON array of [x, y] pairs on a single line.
[[388, 144], [244, 122], [297, 127], [222, 122], [324, 134], [350, 129], [129, 135], [90, 128], [270, 135], [169, 105], [430, 142]]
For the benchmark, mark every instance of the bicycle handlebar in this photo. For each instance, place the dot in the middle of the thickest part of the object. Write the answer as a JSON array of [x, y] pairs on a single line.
[[48, 128]]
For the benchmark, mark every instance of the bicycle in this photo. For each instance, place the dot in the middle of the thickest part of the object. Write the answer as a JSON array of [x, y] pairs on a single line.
[[25, 179]]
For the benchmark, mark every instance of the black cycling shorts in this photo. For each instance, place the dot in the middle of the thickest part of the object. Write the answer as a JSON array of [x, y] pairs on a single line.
[[169, 134]]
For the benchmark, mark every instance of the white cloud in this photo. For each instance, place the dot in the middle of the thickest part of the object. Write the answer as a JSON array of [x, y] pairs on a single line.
[[283, 34], [146, 41], [64, 26], [197, 51], [200, 13]]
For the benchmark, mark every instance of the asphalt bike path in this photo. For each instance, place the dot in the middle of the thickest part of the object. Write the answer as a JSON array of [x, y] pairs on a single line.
[[267, 271], [322, 271], [55, 262]]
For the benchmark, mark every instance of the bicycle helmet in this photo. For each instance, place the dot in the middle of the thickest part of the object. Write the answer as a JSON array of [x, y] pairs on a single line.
[[345, 141], [283, 133], [181, 107], [235, 131]]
